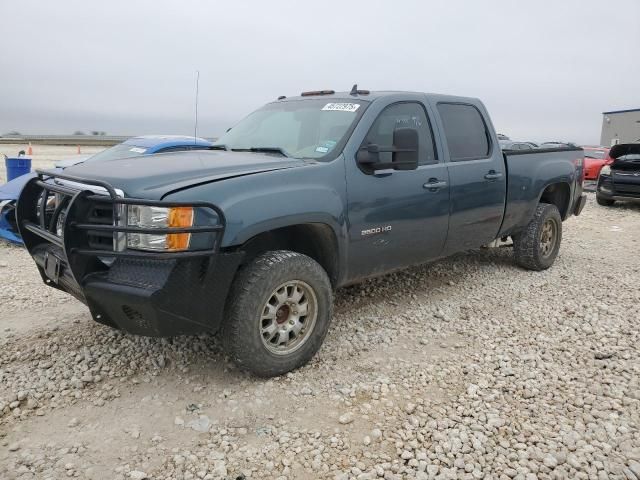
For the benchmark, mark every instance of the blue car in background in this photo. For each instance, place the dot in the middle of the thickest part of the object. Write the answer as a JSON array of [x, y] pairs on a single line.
[[133, 147]]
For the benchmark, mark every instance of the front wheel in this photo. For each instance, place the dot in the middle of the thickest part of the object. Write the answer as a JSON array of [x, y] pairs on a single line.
[[277, 314], [536, 248], [605, 202]]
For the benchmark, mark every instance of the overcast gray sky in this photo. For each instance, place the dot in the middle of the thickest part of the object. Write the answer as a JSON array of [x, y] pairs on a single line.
[[545, 69]]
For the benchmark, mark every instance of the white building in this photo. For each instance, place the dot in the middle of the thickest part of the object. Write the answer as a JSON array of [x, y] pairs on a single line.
[[620, 126]]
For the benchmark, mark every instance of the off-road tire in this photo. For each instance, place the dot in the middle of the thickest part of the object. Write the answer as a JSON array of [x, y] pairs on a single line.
[[605, 202], [251, 289], [527, 244]]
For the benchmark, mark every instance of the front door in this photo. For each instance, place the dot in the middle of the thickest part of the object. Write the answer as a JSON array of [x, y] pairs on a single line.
[[397, 217]]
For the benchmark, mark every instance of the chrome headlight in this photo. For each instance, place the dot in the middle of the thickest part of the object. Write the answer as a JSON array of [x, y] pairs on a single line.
[[606, 170], [159, 217]]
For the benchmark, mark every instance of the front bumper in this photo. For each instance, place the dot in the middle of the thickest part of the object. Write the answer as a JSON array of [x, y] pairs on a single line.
[[620, 187], [149, 296], [153, 294], [618, 198]]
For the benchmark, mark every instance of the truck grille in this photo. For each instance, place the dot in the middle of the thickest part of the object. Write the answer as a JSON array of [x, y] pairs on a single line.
[[627, 182], [100, 214], [83, 218], [627, 188], [52, 204]]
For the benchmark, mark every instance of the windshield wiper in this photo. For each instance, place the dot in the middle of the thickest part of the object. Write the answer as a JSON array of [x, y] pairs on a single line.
[[217, 147], [262, 149]]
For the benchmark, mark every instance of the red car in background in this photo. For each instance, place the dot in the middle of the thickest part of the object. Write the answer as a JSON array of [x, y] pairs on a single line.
[[594, 159]]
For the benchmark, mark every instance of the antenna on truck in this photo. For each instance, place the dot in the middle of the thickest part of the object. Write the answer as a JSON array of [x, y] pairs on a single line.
[[355, 91], [195, 128]]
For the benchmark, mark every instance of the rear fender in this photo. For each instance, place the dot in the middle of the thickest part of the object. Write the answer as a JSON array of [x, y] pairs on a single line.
[[530, 175], [531, 207]]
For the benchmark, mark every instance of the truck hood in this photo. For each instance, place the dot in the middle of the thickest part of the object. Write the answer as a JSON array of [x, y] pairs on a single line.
[[626, 157], [624, 149], [69, 162], [155, 176]]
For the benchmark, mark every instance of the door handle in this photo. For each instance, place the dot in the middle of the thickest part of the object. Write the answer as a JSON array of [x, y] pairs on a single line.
[[493, 175], [434, 185]]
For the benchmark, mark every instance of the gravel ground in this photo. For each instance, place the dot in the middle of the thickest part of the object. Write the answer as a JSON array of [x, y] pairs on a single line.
[[468, 368]]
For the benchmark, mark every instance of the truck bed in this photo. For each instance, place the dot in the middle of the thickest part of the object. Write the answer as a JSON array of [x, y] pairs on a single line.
[[529, 172]]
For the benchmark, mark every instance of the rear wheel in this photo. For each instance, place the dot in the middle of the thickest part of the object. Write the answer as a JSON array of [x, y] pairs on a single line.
[[605, 202], [278, 313], [536, 248]]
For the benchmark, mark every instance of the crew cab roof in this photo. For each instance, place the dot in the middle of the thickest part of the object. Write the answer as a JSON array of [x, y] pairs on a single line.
[[374, 95]]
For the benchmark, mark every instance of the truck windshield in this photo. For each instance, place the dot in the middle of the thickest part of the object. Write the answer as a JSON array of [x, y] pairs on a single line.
[[591, 153], [297, 128], [116, 152]]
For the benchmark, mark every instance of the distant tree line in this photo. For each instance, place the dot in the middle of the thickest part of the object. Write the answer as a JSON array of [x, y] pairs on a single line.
[[93, 132], [15, 133]]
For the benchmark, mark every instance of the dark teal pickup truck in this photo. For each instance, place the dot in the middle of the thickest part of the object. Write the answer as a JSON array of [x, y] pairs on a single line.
[[304, 195]]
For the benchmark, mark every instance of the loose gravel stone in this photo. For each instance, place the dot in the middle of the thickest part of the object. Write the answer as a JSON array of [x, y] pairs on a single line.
[[346, 418]]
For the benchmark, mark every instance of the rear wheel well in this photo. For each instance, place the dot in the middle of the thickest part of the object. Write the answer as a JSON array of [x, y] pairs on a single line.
[[558, 194], [316, 240]]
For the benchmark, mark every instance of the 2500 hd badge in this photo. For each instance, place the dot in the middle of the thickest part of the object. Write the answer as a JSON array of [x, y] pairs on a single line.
[[375, 230]]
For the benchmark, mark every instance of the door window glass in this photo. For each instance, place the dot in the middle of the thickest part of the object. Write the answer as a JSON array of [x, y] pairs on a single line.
[[467, 134], [403, 115]]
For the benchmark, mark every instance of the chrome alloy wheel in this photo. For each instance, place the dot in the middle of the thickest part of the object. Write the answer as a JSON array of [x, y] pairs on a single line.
[[548, 237], [288, 317]]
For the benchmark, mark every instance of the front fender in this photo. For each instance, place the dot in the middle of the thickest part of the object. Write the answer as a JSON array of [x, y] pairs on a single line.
[[253, 204], [269, 207]]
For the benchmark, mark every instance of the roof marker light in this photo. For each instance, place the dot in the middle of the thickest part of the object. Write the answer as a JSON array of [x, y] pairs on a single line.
[[317, 92]]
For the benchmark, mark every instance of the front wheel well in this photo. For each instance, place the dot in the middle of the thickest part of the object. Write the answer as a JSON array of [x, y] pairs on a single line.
[[316, 240], [558, 194]]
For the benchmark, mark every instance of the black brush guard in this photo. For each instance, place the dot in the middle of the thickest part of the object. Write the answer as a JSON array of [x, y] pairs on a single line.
[[146, 293]]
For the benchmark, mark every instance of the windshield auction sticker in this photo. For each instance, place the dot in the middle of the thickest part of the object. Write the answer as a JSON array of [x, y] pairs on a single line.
[[341, 107]]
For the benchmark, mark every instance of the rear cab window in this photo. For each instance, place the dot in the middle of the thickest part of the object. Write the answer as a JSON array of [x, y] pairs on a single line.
[[466, 131]]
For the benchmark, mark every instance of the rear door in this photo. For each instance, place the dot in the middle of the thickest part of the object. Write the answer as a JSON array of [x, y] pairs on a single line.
[[477, 175], [397, 217]]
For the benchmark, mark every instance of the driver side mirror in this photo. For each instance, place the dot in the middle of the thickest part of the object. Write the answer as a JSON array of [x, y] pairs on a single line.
[[404, 152], [406, 143]]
